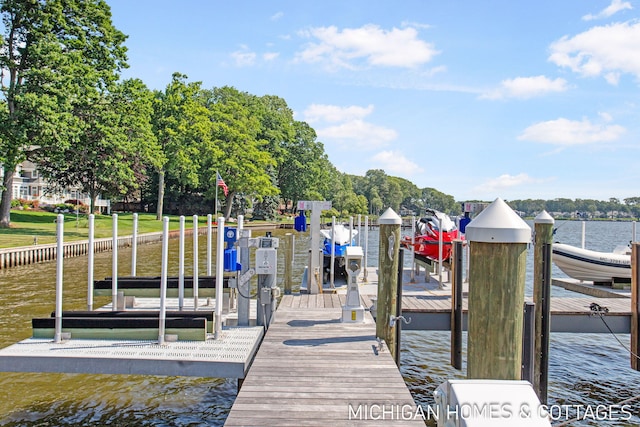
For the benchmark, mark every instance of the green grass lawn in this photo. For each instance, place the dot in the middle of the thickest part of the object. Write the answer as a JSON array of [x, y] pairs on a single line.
[[28, 225]]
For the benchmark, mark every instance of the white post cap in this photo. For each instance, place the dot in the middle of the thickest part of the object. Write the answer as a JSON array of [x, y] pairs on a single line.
[[389, 217], [498, 223], [543, 218]]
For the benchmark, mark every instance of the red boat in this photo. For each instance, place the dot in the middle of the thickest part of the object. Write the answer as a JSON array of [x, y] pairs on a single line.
[[427, 236]]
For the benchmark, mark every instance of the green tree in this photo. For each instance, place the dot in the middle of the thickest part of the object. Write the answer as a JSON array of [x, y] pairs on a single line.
[[183, 128], [246, 165], [303, 166], [54, 52], [113, 147]]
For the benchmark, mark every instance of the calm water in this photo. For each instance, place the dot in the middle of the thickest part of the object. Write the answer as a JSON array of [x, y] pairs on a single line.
[[584, 369]]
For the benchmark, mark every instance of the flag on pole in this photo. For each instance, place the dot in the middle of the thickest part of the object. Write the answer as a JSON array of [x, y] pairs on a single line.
[[220, 183]]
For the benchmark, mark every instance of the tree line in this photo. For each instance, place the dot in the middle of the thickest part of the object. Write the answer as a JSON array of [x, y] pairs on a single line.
[[580, 208]]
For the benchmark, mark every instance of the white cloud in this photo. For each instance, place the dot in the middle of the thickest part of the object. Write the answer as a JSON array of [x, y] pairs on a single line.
[[606, 50], [335, 113], [615, 7], [396, 162], [276, 16], [505, 181], [345, 126], [526, 87], [363, 135], [567, 132], [244, 57], [367, 46], [270, 56]]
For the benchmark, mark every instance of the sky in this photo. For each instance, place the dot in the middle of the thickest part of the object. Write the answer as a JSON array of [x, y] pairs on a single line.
[[477, 99]]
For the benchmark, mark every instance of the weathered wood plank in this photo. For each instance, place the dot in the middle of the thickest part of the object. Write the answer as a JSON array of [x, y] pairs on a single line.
[[312, 368]]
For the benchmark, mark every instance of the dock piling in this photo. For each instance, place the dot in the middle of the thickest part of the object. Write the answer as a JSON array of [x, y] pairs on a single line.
[[635, 306], [498, 244], [389, 247], [543, 239], [456, 304]]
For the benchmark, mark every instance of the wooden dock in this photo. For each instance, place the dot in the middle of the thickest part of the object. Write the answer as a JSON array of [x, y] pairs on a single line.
[[312, 369]]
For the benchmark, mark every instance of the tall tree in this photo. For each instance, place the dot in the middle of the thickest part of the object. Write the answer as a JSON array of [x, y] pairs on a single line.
[[183, 128], [113, 146], [53, 53], [246, 164]]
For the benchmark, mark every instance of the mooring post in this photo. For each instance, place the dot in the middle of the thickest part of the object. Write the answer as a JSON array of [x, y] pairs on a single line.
[[209, 244], [365, 274], [195, 262], [163, 281], [181, 265], [288, 262], [398, 324], [388, 251], [57, 337], [114, 263], [635, 306], [528, 343], [90, 262], [134, 245], [456, 304], [498, 244], [219, 279], [543, 239]]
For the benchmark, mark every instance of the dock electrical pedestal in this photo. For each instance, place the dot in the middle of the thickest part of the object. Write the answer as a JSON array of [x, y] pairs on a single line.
[[353, 311], [266, 259]]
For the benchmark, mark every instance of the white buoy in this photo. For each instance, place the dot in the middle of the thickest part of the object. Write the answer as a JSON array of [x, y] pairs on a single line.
[[163, 279], [134, 245], [90, 253], [209, 249], [59, 265], [219, 278], [114, 264], [181, 265], [195, 262]]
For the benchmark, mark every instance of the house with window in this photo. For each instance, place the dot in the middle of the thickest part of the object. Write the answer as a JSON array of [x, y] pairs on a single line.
[[28, 184]]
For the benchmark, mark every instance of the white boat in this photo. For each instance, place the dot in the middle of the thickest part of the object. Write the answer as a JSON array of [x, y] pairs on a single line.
[[594, 266], [343, 237]]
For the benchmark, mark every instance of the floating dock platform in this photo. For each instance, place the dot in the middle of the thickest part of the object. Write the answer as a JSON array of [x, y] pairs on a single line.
[[227, 357]]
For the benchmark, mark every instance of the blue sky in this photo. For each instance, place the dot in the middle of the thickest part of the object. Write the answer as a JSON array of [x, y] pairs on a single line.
[[478, 99]]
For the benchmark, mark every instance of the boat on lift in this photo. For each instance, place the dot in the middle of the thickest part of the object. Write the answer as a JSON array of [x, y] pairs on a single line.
[[593, 266], [429, 230], [343, 236]]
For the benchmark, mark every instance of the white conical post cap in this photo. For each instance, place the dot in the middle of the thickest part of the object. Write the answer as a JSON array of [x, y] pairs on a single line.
[[543, 218], [498, 223], [389, 217]]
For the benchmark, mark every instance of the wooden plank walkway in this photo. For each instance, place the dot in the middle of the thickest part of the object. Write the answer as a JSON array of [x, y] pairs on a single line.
[[312, 369]]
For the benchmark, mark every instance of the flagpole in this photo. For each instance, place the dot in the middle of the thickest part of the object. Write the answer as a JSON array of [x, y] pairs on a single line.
[[216, 206]]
